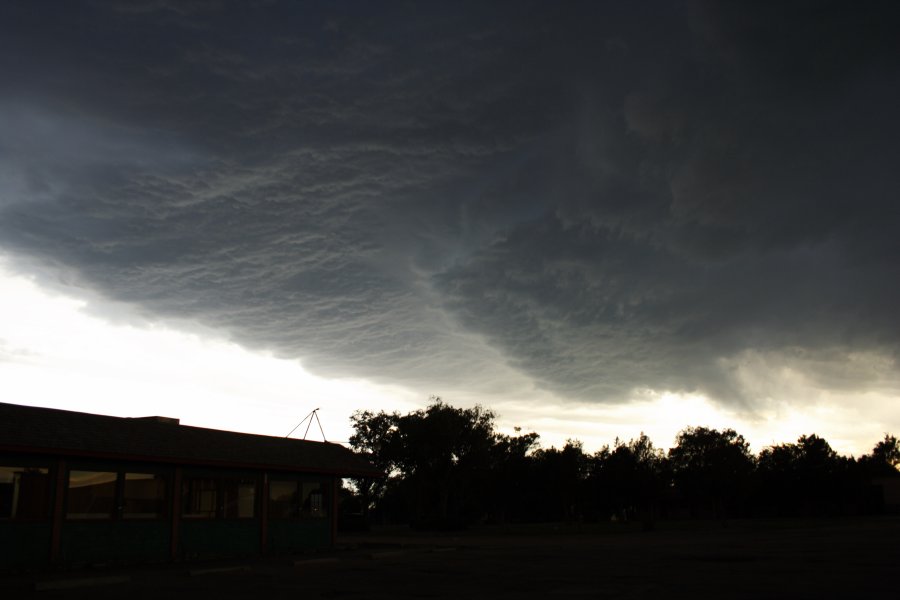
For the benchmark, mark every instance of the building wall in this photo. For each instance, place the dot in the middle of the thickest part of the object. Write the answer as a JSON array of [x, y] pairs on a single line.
[[27, 495], [84, 542], [214, 539], [286, 536], [24, 545], [81, 512], [300, 512]]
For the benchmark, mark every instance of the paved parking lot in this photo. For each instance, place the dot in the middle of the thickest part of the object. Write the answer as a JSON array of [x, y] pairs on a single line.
[[834, 559]]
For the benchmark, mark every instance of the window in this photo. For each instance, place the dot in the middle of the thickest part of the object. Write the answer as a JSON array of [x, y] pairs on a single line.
[[240, 498], [298, 499], [114, 494], [24, 493], [92, 494], [283, 500], [200, 498], [312, 500], [143, 496], [219, 497]]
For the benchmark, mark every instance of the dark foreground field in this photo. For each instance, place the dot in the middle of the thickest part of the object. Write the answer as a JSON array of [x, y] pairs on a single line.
[[815, 559]]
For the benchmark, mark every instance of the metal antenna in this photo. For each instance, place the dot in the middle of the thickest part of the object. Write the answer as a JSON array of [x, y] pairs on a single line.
[[314, 413]]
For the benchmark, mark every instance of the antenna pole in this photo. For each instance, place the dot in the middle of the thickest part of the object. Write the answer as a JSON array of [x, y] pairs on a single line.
[[314, 413], [299, 424], [320, 425]]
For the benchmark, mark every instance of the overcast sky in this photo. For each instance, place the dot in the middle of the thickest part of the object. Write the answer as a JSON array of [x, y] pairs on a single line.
[[588, 209]]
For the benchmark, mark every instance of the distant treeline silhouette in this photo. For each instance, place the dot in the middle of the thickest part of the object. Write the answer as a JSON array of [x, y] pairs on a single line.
[[449, 467]]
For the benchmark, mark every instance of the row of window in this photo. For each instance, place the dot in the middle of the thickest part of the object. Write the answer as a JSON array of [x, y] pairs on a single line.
[[104, 494], [25, 494]]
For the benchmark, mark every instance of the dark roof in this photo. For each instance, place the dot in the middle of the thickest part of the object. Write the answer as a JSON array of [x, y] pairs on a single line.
[[156, 439]]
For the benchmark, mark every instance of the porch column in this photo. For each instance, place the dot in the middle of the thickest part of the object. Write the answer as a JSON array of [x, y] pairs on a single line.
[[335, 488], [264, 515], [175, 511], [59, 495]]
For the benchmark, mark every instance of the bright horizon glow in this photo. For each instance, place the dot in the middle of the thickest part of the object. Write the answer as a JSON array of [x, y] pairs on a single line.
[[661, 415], [55, 353]]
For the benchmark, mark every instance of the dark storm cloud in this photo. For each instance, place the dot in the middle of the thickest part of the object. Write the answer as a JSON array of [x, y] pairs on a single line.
[[603, 197]]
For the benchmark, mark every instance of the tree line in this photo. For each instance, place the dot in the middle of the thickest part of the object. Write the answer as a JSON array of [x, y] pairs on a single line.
[[449, 467]]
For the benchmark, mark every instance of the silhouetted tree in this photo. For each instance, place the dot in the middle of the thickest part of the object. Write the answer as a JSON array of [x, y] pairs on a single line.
[[819, 474], [510, 481], [448, 466], [373, 433], [446, 451], [435, 457], [807, 478], [710, 468], [628, 480], [776, 487], [880, 464], [885, 456], [559, 480]]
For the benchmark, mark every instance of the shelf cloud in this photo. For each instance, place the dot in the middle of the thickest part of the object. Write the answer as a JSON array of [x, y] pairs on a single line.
[[592, 198]]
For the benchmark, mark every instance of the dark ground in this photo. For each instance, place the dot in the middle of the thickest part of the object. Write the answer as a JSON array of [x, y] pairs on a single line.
[[855, 558]]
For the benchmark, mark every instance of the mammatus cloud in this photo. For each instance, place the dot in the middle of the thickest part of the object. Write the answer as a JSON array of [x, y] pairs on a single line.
[[590, 198]]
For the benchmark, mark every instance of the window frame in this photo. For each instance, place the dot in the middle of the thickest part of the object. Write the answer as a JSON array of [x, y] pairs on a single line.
[[92, 516], [48, 470], [298, 482], [118, 509], [221, 490], [163, 501]]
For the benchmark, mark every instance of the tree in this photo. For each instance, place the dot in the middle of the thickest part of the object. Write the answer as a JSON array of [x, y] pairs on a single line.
[[886, 453], [444, 451], [510, 481], [628, 480], [372, 437], [805, 477], [434, 457], [558, 477], [711, 468]]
